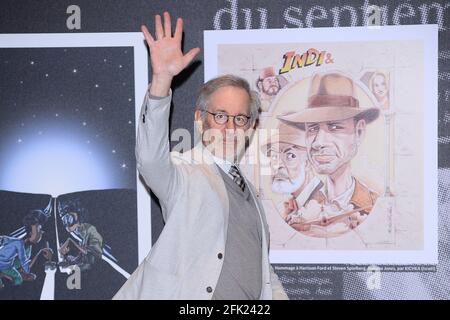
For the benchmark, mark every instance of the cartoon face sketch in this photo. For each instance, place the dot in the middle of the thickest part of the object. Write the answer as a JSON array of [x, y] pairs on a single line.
[[379, 85], [291, 172], [269, 85], [333, 144], [288, 159], [335, 127], [288, 163]]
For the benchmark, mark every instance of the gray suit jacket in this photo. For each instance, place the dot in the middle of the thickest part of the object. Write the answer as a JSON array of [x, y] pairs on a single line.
[[184, 262]]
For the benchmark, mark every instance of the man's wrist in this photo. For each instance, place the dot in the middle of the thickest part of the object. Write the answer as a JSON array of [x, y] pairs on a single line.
[[160, 85]]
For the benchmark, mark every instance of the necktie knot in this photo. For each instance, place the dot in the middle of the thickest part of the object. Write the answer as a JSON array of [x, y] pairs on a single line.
[[237, 177]]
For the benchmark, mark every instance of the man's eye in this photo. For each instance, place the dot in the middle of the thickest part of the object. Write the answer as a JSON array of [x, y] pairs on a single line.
[[312, 129], [334, 127], [291, 156], [220, 116], [272, 155]]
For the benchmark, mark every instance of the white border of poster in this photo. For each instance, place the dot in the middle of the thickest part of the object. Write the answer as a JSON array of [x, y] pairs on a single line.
[[119, 39], [428, 35]]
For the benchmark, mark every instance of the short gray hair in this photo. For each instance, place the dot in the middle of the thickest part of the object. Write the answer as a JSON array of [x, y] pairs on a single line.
[[223, 81]]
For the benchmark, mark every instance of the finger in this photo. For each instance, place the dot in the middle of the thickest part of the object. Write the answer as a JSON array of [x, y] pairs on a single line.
[[147, 35], [178, 29], [167, 25], [187, 58], [158, 27]]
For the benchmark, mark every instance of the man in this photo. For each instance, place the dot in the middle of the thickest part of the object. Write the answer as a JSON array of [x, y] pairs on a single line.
[[291, 171], [15, 254], [335, 126], [89, 249], [268, 85], [11, 249], [215, 241]]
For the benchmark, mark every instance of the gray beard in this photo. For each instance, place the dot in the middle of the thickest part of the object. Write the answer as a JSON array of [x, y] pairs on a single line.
[[289, 185]]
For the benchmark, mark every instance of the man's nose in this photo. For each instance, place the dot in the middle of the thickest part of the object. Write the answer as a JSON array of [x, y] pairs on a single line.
[[320, 139], [230, 124], [278, 163]]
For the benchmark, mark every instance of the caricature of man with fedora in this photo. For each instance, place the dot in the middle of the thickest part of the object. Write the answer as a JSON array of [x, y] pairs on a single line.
[[292, 174], [335, 126], [268, 85]]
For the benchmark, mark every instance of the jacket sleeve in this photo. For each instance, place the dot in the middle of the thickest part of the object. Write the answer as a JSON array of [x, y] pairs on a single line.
[[278, 292], [152, 150], [24, 262], [95, 241]]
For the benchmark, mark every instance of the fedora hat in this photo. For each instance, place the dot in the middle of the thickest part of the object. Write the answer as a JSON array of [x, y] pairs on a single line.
[[286, 134], [331, 98]]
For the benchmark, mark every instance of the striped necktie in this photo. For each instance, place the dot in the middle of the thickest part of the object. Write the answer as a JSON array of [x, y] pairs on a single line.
[[237, 177]]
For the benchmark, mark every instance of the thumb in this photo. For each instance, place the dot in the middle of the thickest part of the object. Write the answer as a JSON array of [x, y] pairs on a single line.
[[187, 58]]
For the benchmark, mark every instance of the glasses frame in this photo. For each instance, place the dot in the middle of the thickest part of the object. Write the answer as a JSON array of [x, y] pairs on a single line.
[[228, 118]]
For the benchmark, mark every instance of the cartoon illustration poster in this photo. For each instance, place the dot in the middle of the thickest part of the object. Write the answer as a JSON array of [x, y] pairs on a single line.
[[345, 155], [74, 218]]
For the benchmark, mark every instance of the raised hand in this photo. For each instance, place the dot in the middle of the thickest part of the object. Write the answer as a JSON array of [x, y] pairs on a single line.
[[167, 58]]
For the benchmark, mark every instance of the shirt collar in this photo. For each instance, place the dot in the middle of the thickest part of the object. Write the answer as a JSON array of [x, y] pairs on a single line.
[[344, 198], [223, 164]]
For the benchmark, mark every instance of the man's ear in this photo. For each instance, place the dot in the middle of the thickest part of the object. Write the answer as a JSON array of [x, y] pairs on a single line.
[[360, 129], [198, 120], [259, 85], [197, 115]]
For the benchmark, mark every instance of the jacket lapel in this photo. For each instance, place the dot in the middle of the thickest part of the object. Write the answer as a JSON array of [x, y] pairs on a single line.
[[200, 156]]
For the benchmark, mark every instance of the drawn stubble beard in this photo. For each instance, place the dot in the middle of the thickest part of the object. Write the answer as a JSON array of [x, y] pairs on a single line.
[[272, 90], [330, 159], [282, 183]]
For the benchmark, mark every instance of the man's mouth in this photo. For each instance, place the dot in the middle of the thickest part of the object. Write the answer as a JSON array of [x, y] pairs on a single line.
[[272, 90], [280, 178], [323, 158]]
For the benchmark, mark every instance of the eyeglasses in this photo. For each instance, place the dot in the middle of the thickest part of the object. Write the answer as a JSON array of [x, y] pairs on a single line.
[[240, 120]]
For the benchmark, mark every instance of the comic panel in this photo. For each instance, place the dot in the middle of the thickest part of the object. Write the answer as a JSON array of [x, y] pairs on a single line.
[[340, 155], [70, 197]]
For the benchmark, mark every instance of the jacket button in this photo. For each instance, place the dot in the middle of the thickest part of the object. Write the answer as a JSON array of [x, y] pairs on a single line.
[[220, 255], [209, 289]]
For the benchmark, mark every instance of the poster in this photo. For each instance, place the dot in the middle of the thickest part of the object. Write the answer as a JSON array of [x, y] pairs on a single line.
[[345, 158], [74, 215]]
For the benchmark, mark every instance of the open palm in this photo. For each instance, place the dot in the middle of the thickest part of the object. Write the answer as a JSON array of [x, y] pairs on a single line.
[[167, 58]]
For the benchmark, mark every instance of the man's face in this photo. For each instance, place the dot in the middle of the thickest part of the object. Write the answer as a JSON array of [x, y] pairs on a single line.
[[333, 144], [379, 87], [288, 164], [73, 228], [270, 86], [226, 140], [36, 233]]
